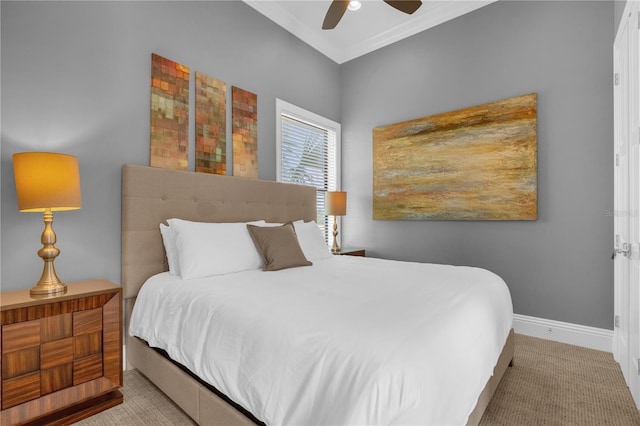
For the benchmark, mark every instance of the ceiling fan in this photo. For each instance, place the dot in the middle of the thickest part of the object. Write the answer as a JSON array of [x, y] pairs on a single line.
[[339, 7]]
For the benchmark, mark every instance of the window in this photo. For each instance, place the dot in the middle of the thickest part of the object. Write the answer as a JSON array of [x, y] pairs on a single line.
[[308, 153]]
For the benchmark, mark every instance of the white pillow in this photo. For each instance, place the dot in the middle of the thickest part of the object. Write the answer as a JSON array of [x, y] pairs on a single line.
[[169, 241], [311, 240], [207, 249]]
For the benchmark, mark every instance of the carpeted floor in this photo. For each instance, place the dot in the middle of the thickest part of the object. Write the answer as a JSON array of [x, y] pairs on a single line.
[[549, 384], [552, 383]]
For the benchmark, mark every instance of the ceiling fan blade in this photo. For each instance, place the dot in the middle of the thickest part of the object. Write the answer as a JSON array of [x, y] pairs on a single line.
[[406, 6], [334, 14]]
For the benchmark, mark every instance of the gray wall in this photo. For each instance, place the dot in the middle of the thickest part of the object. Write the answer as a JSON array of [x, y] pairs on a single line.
[[559, 266], [76, 77]]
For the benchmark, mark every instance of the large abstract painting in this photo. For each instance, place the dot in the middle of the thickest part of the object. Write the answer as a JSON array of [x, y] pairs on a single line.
[[169, 114], [211, 124], [244, 113], [477, 163]]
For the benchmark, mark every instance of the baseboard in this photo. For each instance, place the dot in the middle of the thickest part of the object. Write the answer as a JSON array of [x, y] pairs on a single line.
[[573, 334], [124, 357]]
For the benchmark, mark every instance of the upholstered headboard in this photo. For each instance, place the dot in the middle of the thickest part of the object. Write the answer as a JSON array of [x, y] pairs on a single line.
[[152, 195]]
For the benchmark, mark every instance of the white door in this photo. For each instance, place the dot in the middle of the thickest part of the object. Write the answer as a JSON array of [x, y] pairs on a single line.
[[626, 348]]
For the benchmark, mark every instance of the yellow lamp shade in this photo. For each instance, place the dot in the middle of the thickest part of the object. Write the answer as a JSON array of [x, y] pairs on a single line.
[[47, 180], [335, 203]]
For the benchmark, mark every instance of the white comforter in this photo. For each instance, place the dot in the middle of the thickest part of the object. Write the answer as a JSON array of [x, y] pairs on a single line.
[[349, 340]]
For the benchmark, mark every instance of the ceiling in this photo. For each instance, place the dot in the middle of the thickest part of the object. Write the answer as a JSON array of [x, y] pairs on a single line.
[[375, 25]]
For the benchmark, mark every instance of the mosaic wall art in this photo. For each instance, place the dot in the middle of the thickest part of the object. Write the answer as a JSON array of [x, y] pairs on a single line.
[[211, 123], [169, 114], [244, 114], [477, 163]]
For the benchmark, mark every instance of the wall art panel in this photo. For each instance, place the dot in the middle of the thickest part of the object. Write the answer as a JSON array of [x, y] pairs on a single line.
[[169, 114], [477, 163], [244, 114], [211, 124]]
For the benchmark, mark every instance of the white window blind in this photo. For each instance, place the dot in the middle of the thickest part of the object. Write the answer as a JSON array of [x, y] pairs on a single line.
[[308, 154]]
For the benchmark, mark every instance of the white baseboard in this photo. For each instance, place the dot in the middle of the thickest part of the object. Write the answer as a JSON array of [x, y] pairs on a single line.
[[564, 332]]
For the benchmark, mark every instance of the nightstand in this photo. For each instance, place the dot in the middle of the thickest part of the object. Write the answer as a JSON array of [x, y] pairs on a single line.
[[351, 252], [61, 356]]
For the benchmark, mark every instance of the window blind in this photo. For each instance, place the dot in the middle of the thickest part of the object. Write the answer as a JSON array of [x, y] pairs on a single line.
[[309, 156]]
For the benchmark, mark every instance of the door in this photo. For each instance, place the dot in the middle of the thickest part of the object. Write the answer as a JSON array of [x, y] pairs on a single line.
[[626, 344]]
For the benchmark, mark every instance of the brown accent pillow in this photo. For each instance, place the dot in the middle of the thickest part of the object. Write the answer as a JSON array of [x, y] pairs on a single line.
[[278, 246]]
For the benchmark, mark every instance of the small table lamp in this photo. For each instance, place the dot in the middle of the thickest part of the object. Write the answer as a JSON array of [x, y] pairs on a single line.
[[47, 182], [335, 204]]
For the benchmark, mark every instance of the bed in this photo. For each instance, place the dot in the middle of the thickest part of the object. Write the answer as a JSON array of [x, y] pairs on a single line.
[[151, 196]]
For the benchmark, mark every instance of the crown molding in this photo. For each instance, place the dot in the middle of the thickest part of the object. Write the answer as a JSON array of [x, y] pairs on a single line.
[[440, 13], [289, 22]]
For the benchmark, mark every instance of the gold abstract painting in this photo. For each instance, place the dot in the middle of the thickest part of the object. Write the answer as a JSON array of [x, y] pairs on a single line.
[[477, 163], [211, 125], [169, 114], [244, 131]]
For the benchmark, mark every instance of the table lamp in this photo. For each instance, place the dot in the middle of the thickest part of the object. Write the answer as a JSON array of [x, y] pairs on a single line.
[[335, 204], [47, 182]]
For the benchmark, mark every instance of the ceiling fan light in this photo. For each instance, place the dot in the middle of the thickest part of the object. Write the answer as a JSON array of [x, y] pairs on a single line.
[[354, 5]]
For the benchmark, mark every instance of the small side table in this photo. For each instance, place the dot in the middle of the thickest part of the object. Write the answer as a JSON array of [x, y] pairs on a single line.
[[351, 252], [61, 356]]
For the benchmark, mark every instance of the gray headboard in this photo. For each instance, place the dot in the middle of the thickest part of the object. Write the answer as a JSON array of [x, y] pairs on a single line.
[[151, 195]]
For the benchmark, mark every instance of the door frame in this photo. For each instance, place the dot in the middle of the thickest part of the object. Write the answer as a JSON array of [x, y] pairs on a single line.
[[626, 56]]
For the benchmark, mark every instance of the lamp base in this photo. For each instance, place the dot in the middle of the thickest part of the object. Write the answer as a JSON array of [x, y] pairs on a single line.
[[335, 248], [44, 290], [49, 284]]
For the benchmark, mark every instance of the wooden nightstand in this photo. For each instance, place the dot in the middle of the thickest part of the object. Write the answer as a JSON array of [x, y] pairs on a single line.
[[61, 356], [351, 252]]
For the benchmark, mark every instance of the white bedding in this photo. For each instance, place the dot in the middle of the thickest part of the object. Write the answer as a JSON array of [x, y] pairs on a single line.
[[349, 340]]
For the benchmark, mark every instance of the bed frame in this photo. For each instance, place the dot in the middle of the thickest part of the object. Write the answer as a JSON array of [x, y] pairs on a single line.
[[151, 196]]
